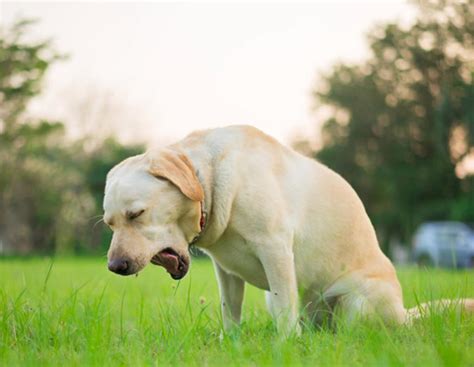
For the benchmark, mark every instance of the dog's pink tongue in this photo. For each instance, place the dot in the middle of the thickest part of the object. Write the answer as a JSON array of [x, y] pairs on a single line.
[[169, 261]]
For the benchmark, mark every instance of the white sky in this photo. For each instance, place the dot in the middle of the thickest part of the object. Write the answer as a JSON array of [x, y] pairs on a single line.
[[177, 67]]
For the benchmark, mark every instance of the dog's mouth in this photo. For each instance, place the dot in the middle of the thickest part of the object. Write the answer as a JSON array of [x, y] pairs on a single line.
[[175, 264]]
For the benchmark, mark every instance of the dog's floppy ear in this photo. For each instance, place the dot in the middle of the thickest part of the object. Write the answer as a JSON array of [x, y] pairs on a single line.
[[176, 168]]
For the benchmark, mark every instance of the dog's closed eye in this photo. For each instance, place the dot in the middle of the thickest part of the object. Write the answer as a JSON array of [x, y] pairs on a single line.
[[133, 215]]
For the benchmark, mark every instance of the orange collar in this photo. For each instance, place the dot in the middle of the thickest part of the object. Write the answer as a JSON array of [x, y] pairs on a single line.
[[202, 224]]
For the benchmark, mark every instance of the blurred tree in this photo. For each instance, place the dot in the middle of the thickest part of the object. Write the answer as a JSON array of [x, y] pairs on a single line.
[[50, 188], [22, 68], [403, 120], [39, 188]]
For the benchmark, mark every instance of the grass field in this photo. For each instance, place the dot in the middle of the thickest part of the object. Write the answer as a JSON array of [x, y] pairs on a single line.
[[74, 312]]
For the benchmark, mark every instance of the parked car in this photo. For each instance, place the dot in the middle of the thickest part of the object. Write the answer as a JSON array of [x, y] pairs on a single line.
[[444, 244]]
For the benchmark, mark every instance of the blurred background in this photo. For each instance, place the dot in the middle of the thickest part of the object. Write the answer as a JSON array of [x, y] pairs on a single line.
[[381, 92]]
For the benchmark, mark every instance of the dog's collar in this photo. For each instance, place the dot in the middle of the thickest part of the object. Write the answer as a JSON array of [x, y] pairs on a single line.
[[202, 224]]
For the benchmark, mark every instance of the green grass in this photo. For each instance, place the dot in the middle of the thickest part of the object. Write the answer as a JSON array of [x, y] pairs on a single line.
[[75, 312]]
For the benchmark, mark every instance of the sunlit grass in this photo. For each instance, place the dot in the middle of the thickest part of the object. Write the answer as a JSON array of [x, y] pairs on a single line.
[[75, 312]]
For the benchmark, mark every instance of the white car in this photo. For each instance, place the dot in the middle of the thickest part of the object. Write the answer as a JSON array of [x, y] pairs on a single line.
[[445, 244]]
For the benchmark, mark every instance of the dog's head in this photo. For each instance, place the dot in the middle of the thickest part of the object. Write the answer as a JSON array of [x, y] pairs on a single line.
[[152, 204]]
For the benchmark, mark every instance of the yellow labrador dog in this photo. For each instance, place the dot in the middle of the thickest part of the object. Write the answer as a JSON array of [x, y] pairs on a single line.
[[265, 214]]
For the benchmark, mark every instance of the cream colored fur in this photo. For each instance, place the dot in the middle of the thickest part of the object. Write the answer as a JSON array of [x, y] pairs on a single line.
[[277, 220]]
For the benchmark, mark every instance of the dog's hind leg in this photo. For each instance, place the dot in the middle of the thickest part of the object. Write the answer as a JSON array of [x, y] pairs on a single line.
[[368, 298], [316, 309]]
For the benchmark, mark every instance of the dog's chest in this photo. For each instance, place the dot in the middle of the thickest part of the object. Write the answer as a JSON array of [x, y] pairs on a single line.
[[237, 257]]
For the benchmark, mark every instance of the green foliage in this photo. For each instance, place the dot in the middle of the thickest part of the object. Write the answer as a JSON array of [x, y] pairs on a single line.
[[75, 312], [404, 119], [50, 186], [22, 68]]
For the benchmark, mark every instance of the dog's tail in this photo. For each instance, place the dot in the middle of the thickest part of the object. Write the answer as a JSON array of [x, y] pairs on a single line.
[[459, 305]]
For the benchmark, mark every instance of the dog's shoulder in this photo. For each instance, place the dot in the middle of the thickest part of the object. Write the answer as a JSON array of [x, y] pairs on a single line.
[[238, 134]]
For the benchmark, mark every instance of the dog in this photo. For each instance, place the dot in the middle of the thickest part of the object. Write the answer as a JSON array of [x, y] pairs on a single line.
[[266, 215]]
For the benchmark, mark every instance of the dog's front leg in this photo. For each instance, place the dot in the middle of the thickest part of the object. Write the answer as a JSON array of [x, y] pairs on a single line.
[[282, 296], [231, 289]]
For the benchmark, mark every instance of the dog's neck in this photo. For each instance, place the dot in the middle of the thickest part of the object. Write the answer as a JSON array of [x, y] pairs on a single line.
[[215, 224]]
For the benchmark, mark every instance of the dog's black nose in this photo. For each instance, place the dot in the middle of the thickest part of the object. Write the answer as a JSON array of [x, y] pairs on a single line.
[[119, 266]]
